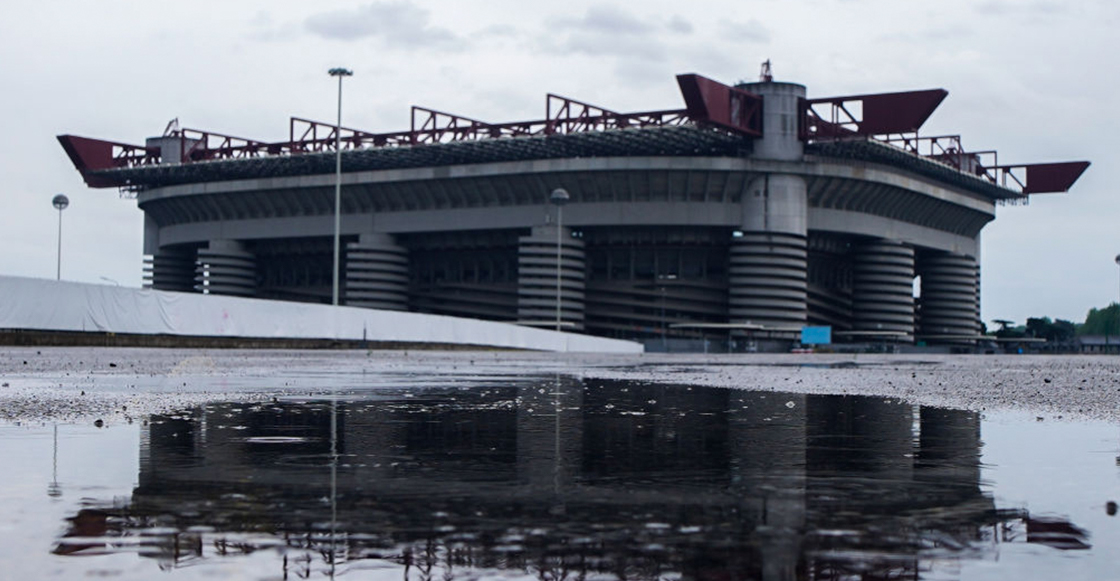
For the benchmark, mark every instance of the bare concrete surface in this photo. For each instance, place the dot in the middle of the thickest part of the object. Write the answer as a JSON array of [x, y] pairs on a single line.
[[122, 384]]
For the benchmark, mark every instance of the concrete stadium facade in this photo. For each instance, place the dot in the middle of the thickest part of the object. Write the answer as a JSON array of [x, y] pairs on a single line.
[[675, 232]]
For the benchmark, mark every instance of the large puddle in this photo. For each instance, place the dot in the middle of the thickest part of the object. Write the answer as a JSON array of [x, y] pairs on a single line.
[[563, 479]]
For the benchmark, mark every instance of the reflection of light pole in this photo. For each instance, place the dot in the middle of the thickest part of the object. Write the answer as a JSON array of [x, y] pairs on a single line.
[[558, 198], [340, 73], [54, 490], [334, 480], [61, 202]]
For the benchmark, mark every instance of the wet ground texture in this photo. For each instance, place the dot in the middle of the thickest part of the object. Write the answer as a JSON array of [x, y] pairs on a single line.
[[289, 465]]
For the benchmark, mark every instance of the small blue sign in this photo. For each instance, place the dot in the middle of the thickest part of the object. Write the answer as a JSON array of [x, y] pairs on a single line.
[[816, 335]]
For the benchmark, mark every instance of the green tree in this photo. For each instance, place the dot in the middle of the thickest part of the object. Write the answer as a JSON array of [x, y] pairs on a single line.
[[1059, 331], [1006, 329], [1104, 321]]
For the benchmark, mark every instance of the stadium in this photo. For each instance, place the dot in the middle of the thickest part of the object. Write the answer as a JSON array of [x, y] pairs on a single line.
[[748, 214]]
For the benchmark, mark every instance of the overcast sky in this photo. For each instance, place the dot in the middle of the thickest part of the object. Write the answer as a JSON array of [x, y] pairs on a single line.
[[1036, 80]]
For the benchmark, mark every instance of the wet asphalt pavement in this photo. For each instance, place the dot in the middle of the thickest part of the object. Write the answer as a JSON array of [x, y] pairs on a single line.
[[116, 384]]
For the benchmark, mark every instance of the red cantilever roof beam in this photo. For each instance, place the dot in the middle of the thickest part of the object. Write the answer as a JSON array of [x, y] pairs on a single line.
[[717, 104], [895, 118], [869, 115], [1039, 178]]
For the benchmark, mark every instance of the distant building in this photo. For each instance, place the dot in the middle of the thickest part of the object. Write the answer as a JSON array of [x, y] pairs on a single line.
[[749, 213], [1098, 344]]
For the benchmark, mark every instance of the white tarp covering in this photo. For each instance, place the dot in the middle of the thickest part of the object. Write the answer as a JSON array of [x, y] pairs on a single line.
[[47, 305]]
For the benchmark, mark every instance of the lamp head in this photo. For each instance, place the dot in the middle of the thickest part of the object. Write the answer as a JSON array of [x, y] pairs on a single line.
[[340, 72], [61, 202], [559, 197]]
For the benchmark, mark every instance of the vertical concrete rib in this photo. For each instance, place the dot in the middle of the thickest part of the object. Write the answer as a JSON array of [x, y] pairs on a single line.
[[377, 273], [768, 279], [950, 307], [225, 267], [170, 270], [883, 288], [536, 277]]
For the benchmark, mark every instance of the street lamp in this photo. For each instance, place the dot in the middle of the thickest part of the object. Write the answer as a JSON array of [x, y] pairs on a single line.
[[340, 73], [60, 202], [558, 198]]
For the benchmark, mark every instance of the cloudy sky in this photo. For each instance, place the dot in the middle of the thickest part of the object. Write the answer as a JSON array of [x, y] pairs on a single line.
[[1035, 79]]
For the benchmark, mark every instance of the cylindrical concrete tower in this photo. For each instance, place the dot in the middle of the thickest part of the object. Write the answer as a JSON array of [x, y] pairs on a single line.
[[536, 277], [883, 288], [225, 267], [769, 261], [171, 270], [950, 306], [377, 273]]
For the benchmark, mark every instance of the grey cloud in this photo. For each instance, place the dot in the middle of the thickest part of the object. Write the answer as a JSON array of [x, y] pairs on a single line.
[[751, 30], [604, 19], [263, 28], [604, 31], [679, 25], [1002, 7], [599, 45], [396, 23]]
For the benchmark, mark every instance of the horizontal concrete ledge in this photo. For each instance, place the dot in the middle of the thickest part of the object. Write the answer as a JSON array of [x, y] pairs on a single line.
[[47, 306], [33, 338]]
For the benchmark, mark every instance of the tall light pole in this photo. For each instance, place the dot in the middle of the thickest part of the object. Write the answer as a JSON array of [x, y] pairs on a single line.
[[558, 198], [61, 202], [340, 73]]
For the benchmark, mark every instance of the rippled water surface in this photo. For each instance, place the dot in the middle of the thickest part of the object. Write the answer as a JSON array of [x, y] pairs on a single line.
[[562, 479]]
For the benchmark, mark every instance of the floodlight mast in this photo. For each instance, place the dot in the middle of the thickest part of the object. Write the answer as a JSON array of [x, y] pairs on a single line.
[[340, 73], [60, 202]]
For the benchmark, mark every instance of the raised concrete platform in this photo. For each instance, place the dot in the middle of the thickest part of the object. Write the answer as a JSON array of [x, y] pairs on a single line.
[[36, 306]]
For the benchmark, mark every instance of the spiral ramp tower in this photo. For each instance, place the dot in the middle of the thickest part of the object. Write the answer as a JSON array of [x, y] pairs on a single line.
[[225, 267], [544, 255], [950, 305], [377, 273], [883, 291], [768, 280]]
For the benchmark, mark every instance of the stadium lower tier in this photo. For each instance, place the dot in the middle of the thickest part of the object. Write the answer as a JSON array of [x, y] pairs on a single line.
[[621, 282]]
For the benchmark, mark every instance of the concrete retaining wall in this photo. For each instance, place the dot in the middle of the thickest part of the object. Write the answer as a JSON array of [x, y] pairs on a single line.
[[29, 304]]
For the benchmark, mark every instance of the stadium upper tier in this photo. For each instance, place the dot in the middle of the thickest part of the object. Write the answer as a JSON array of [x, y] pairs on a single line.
[[713, 124]]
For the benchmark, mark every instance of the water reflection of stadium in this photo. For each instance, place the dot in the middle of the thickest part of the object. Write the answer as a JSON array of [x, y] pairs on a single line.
[[564, 479]]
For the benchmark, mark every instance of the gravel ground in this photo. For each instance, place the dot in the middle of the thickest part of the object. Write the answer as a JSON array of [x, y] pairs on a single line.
[[120, 384]]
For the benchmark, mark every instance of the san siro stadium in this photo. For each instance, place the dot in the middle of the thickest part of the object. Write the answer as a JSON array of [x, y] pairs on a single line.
[[747, 215]]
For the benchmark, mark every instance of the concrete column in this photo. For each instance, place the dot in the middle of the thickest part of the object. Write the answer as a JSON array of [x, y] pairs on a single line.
[[226, 267], [376, 273], [536, 277], [883, 288], [769, 261], [949, 298], [170, 270]]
